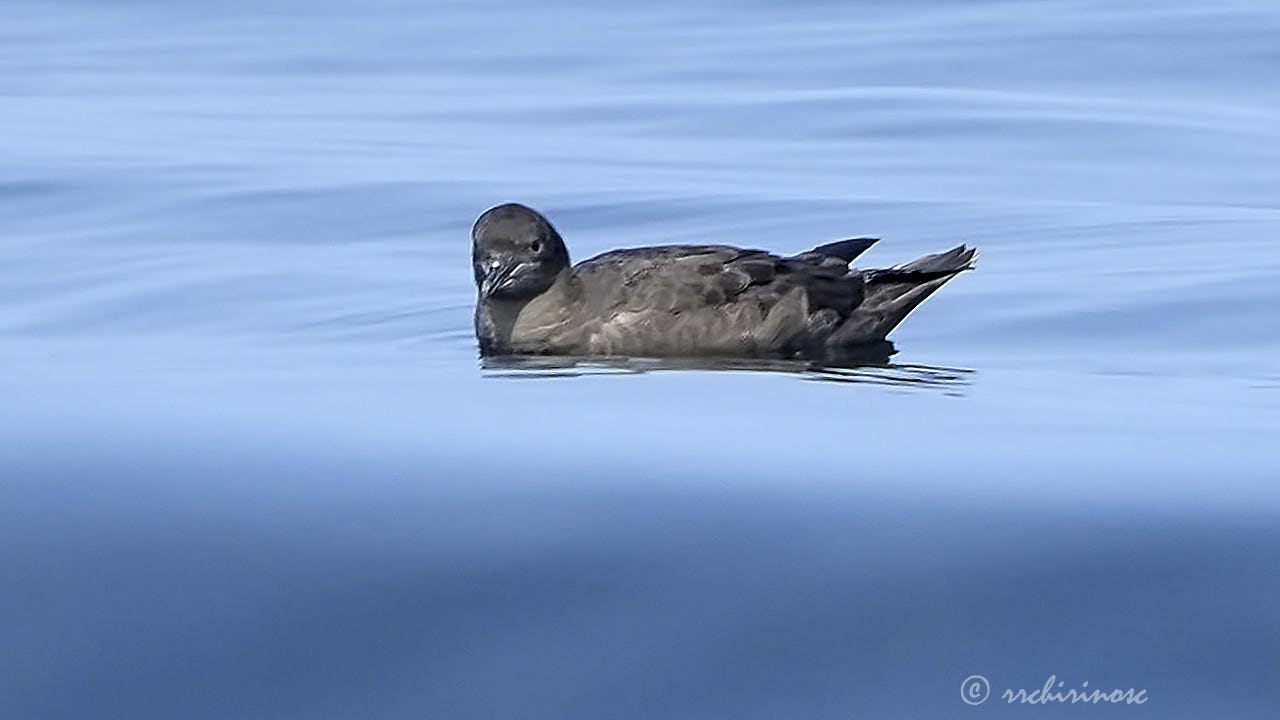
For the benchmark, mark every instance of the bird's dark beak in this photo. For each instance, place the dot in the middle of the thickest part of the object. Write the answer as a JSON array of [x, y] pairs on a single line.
[[496, 276]]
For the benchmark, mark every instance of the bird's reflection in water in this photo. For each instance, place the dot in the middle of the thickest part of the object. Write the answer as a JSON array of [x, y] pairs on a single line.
[[867, 366]]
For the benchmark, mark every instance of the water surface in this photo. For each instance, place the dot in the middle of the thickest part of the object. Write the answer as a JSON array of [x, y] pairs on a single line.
[[253, 468]]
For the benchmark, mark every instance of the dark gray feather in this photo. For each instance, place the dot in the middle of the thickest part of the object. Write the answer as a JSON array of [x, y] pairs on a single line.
[[688, 300]]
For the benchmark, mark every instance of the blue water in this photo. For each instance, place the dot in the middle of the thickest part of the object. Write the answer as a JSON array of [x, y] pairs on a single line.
[[252, 467]]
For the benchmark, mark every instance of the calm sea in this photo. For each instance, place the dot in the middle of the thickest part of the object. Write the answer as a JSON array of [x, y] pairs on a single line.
[[252, 467]]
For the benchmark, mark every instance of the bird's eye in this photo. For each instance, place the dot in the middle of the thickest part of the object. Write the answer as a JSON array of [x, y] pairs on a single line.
[[536, 246]]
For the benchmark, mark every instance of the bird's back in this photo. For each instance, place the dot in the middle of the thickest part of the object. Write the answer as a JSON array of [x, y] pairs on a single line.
[[709, 300]]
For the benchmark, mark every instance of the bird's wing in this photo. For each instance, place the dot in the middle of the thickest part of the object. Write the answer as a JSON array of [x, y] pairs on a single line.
[[691, 299], [678, 279], [671, 279]]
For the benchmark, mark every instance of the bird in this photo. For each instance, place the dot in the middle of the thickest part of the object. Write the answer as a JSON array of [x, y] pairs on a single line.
[[686, 301]]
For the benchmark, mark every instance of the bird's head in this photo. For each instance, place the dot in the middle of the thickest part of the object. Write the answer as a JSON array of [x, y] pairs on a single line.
[[515, 253]]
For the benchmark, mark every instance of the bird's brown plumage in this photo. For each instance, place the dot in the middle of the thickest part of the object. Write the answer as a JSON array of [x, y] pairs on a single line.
[[701, 300]]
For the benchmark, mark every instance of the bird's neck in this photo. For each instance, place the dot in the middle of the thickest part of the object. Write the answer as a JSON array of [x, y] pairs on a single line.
[[502, 324]]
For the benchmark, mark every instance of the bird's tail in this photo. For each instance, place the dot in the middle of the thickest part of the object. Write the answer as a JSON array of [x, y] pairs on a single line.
[[892, 294]]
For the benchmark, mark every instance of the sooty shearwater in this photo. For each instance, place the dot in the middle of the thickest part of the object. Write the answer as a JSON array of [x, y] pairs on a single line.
[[685, 300]]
